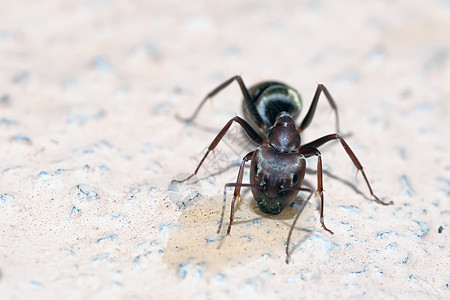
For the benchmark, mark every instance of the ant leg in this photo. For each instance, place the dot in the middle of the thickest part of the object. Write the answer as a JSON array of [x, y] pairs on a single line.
[[236, 194], [312, 109], [244, 90], [320, 141], [295, 221], [309, 151], [254, 136]]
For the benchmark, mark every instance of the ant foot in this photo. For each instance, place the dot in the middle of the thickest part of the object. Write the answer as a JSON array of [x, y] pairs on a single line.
[[183, 180], [325, 227], [229, 230], [382, 202], [184, 120]]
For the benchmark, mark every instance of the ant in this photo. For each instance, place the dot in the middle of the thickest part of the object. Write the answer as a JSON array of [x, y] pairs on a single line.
[[278, 165]]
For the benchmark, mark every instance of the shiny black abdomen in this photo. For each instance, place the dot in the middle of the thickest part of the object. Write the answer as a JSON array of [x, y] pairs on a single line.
[[270, 98]]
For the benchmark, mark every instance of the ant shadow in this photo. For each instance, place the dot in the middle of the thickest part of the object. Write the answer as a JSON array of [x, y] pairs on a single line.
[[194, 124], [287, 214]]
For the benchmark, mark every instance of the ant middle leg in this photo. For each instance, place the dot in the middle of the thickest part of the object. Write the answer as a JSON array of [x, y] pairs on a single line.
[[320, 141], [288, 241], [236, 194], [312, 109], [252, 134]]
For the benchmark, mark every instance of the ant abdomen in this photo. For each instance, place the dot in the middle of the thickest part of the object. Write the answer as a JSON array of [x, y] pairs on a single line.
[[270, 98]]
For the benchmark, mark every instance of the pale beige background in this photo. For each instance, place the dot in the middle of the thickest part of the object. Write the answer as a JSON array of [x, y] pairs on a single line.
[[89, 143]]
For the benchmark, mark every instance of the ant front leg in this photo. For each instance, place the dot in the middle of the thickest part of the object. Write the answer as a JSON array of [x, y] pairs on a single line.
[[309, 151], [312, 109], [320, 141], [236, 194], [248, 130]]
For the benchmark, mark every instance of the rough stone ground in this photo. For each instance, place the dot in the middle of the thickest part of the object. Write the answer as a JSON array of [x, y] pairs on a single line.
[[89, 143]]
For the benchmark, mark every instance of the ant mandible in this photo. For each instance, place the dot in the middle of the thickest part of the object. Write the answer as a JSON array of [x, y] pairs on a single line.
[[278, 165]]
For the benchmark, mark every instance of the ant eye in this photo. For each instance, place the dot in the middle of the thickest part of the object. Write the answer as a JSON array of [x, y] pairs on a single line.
[[263, 185], [255, 170], [295, 179], [281, 190]]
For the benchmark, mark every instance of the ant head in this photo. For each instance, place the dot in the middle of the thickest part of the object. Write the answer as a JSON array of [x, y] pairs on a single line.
[[276, 178], [283, 135]]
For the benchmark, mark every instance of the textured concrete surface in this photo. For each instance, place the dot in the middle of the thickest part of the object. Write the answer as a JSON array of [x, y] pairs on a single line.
[[89, 143]]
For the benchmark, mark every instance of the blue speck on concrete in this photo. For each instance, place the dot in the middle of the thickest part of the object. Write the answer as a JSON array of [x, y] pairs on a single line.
[[103, 168], [69, 85], [22, 77], [391, 246], [384, 235], [101, 63], [36, 285], [182, 270], [351, 208], [265, 256], [74, 210], [436, 60], [79, 117], [100, 257], [377, 55], [165, 227], [327, 245], [8, 122], [412, 277], [423, 228], [87, 192], [220, 277], [106, 238], [20, 138], [406, 186], [149, 48], [6, 197], [403, 261], [115, 284], [446, 182], [5, 98], [447, 284], [214, 239], [248, 238], [348, 77], [44, 175], [359, 272]]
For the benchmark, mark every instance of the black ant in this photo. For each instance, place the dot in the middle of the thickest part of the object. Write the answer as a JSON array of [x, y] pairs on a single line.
[[278, 165]]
